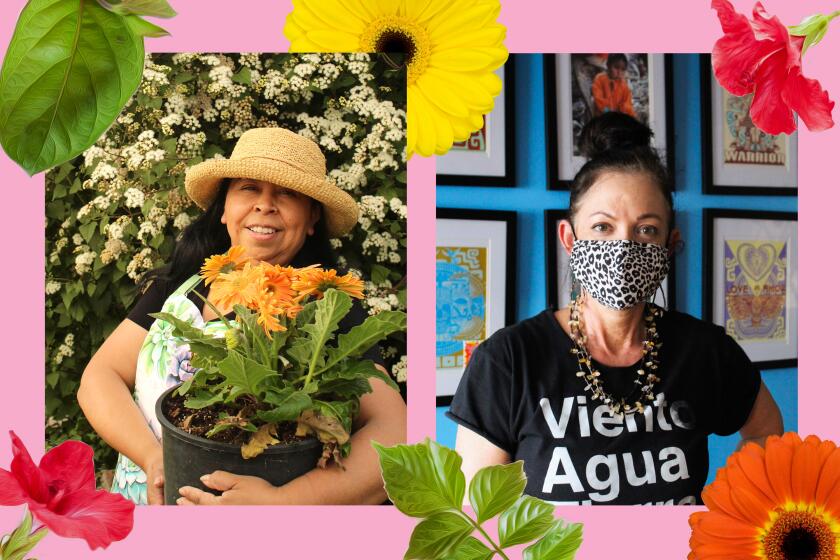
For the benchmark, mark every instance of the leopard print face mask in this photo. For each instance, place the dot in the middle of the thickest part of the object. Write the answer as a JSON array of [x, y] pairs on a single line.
[[619, 273]]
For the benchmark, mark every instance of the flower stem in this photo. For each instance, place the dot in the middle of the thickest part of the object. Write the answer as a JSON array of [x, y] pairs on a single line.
[[484, 534]]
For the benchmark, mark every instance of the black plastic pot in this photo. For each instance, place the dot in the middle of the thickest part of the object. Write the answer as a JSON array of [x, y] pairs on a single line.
[[187, 457]]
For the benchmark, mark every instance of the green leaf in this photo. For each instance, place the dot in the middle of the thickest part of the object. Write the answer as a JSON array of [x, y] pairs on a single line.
[[356, 369], [69, 70], [470, 549], [560, 543], [204, 399], [143, 28], [286, 405], [244, 374], [495, 488], [344, 388], [528, 519], [153, 8], [193, 335], [243, 76], [87, 230], [329, 310], [361, 337], [437, 535], [379, 273], [422, 479]]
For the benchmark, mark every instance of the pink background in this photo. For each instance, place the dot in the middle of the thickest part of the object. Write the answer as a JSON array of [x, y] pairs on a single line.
[[382, 532]]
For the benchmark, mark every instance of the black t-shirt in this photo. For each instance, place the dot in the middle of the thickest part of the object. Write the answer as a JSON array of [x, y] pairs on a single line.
[[521, 393], [155, 295]]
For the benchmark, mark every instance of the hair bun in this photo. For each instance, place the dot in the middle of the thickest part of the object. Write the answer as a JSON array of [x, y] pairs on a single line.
[[613, 131]]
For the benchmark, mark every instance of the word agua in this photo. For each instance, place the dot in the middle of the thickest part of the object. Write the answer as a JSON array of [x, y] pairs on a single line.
[[561, 470]]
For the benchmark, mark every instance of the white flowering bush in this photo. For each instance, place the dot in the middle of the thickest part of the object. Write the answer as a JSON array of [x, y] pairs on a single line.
[[115, 212]]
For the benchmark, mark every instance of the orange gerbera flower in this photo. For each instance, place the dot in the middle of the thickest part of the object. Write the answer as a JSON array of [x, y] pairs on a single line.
[[316, 281], [277, 281], [240, 287], [775, 503], [268, 312], [231, 261]]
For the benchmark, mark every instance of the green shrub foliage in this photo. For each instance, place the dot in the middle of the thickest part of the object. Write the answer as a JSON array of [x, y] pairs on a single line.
[[115, 212]]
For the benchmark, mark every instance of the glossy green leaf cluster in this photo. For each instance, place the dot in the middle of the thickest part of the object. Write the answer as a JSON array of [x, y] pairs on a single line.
[[70, 68], [425, 480]]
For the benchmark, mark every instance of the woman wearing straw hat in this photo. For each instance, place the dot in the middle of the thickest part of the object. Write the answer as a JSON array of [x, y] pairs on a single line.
[[271, 198]]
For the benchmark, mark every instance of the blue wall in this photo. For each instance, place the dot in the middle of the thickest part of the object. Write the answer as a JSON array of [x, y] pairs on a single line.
[[530, 197]]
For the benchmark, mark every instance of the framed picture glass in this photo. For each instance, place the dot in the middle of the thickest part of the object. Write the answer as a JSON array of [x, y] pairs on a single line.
[[487, 157], [738, 158], [558, 276], [581, 86], [475, 291], [750, 285]]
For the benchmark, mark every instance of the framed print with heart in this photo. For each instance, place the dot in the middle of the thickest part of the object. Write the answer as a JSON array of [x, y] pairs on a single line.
[[751, 282]]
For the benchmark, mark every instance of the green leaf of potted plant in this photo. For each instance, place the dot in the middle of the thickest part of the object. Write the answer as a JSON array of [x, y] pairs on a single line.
[[277, 394]]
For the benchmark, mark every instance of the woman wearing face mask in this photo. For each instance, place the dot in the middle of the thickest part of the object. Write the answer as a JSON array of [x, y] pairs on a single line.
[[611, 400]]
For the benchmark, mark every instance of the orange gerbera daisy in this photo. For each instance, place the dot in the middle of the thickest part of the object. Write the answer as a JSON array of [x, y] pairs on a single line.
[[240, 287], [268, 312], [277, 281], [779, 502], [316, 281], [231, 261]]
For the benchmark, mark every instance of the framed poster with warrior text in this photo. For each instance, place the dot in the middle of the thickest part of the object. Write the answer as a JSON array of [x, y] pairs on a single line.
[[738, 158]]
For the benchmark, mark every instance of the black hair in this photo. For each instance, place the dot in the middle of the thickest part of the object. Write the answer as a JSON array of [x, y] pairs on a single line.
[[618, 142], [207, 236], [614, 58]]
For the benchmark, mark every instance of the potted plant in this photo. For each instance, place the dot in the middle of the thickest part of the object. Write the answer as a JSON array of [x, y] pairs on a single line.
[[277, 394]]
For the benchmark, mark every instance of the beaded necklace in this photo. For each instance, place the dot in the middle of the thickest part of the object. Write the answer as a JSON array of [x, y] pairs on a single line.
[[646, 375]]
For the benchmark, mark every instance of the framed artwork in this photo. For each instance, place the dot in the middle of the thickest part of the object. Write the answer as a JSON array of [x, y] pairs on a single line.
[[751, 281], [475, 286], [558, 275], [486, 158], [581, 86], [738, 158]]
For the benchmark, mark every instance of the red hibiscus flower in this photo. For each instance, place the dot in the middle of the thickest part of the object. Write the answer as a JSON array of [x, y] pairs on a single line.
[[61, 493], [760, 56]]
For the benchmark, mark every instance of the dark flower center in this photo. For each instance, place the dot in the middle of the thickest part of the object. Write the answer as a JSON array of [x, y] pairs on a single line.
[[799, 535], [396, 41], [800, 544]]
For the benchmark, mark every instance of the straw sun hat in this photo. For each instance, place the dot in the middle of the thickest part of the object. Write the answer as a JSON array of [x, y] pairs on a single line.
[[281, 157]]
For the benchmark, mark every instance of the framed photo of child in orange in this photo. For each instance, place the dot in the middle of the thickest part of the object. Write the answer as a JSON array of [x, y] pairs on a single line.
[[581, 86]]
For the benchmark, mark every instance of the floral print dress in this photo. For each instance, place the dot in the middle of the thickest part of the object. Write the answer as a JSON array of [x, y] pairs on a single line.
[[164, 361]]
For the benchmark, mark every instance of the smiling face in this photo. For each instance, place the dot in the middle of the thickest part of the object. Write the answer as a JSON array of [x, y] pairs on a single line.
[[271, 222], [621, 205]]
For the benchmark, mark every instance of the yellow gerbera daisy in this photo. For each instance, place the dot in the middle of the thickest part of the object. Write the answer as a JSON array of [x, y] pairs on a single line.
[[452, 49], [317, 281], [234, 259]]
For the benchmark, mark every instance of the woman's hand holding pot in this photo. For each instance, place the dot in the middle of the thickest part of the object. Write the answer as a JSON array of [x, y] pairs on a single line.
[[153, 467]]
